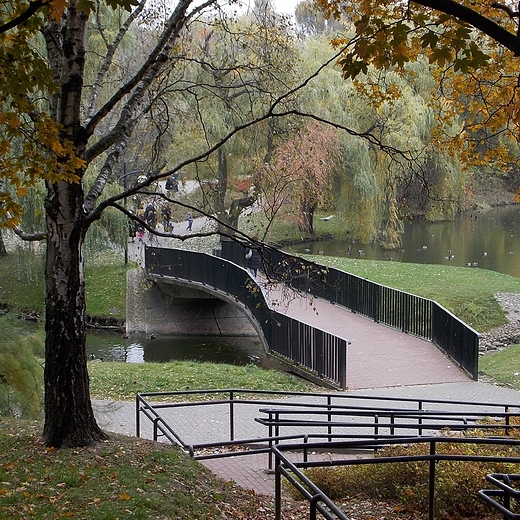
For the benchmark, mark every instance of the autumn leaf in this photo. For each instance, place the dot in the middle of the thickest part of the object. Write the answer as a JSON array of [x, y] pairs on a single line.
[[56, 9]]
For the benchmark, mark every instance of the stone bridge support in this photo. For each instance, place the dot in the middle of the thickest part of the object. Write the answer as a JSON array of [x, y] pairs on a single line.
[[164, 305]]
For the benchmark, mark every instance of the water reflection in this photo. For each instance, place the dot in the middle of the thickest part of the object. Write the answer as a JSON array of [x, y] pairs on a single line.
[[486, 239], [108, 346]]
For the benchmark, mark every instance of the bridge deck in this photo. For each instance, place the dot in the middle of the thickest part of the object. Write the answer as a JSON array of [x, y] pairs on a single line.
[[378, 356]]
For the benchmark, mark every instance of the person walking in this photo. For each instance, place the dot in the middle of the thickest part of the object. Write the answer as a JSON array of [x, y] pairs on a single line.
[[253, 260], [190, 221]]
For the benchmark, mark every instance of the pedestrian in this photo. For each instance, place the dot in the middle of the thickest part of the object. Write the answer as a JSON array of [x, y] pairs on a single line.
[[253, 260], [149, 215], [190, 221], [166, 218]]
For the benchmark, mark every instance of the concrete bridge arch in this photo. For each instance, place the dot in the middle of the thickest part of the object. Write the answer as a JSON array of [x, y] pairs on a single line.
[[162, 305]]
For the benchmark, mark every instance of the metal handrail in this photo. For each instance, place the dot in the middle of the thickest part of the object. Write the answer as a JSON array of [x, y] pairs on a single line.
[[334, 405], [283, 466], [330, 441], [407, 312], [506, 492]]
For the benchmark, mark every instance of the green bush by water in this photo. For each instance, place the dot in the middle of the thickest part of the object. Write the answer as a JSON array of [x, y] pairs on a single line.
[[21, 375]]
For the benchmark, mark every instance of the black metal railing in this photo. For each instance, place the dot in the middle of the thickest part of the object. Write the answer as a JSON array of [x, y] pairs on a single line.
[[366, 416], [392, 414], [294, 472], [404, 311], [320, 353], [505, 496]]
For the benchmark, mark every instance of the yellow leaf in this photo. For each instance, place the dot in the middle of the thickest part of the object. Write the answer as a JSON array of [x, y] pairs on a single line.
[[56, 8], [14, 122], [124, 496]]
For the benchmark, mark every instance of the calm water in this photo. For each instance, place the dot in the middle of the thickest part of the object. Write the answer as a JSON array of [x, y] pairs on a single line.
[[110, 346], [487, 239]]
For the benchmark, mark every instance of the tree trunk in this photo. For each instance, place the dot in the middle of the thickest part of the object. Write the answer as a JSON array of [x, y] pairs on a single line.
[[3, 250], [220, 200], [69, 417], [306, 219]]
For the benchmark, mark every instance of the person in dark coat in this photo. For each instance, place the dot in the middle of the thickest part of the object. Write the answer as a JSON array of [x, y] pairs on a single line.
[[253, 260]]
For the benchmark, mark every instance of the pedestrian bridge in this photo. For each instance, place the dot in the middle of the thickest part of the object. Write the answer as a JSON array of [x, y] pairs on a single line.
[[323, 323]]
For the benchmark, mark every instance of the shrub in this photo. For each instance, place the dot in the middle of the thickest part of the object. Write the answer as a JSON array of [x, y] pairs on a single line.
[[456, 484], [20, 373]]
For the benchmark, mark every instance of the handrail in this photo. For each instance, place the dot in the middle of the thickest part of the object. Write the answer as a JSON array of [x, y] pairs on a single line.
[[401, 310], [506, 492], [320, 353], [283, 466], [332, 405], [305, 442]]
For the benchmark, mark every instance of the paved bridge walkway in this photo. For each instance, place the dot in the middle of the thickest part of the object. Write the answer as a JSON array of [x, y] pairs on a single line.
[[378, 355]]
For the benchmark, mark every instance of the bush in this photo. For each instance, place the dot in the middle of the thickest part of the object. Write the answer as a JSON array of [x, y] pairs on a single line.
[[456, 484], [21, 375]]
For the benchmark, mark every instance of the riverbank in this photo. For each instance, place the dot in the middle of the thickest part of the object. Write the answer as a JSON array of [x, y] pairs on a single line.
[[505, 335]]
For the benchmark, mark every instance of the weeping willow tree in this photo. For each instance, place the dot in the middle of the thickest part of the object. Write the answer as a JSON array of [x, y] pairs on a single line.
[[228, 77], [375, 191], [21, 376]]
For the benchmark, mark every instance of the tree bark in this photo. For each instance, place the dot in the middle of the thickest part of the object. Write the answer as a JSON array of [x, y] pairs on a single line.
[[306, 220], [3, 250], [69, 416]]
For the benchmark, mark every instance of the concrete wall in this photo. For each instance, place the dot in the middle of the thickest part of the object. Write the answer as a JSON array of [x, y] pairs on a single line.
[[162, 305]]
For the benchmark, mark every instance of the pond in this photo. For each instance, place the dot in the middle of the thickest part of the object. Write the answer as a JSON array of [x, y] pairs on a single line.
[[235, 350], [486, 239]]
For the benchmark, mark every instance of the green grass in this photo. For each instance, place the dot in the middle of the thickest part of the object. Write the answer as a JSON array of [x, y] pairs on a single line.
[[122, 381], [468, 293], [22, 283], [121, 478], [504, 366]]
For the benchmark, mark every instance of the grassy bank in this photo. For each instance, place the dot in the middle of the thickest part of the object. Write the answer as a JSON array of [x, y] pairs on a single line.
[[22, 283], [122, 381], [121, 478]]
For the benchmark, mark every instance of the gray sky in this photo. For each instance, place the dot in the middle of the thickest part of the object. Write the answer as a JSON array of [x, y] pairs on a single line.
[[285, 6], [282, 6]]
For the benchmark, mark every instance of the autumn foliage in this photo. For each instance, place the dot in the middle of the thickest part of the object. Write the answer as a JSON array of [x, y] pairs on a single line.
[[472, 49], [300, 174]]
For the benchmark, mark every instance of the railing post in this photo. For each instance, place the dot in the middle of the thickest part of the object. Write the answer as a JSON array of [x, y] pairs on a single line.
[[431, 497], [270, 462], [312, 509], [231, 417], [343, 360], [137, 417], [420, 417], [329, 417], [277, 490]]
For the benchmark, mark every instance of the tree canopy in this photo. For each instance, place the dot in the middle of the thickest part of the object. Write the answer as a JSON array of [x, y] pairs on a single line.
[[473, 47], [87, 84]]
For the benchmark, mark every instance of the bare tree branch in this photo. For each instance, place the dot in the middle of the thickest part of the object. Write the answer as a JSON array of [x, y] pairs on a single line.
[[31, 10], [111, 50], [28, 237]]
